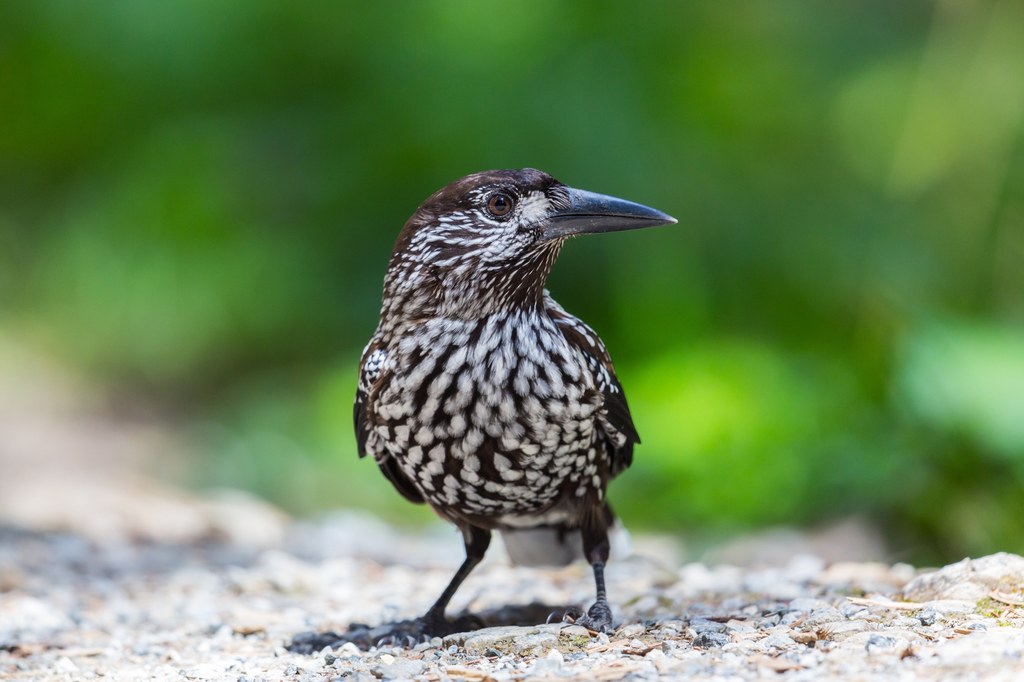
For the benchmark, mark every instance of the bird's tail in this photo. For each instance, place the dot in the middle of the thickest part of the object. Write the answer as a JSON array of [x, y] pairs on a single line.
[[556, 544]]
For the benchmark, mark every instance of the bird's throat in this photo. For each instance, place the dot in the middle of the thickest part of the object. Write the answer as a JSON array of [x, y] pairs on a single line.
[[500, 287]]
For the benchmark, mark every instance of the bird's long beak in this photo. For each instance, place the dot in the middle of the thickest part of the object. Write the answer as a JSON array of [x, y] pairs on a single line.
[[589, 212]]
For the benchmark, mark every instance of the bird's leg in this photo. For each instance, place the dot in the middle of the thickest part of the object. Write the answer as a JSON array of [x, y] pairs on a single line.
[[477, 540], [599, 616], [595, 549], [409, 632]]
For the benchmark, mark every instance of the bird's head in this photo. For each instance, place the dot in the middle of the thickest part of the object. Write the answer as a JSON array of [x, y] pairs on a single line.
[[487, 242]]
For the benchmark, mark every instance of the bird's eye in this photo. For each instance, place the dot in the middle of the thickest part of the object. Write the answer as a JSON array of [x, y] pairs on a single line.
[[499, 204]]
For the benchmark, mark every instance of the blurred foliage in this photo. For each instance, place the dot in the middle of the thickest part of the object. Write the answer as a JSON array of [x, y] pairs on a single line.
[[198, 199]]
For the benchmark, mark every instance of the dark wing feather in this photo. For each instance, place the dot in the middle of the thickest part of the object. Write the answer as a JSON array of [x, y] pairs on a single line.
[[362, 427], [618, 429], [402, 483], [371, 376]]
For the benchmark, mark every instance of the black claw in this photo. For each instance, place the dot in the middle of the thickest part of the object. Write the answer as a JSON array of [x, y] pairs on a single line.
[[572, 615], [598, 618], [312, 642]]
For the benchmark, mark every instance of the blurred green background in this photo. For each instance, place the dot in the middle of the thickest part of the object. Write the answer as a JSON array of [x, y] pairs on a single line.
[[198, 200]]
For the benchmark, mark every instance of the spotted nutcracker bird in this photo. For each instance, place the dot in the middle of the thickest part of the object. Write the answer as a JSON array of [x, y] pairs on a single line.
[[480, 395]]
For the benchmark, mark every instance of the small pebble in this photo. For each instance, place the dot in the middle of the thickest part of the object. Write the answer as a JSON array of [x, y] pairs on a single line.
[[792, 617], [630, 631], [400, 669], [806, 604], [65, 665], [550, 664], [710, 640], [876, 642], [851, 610], [701, 626], [927, 616], [778, 641], [821, 616]]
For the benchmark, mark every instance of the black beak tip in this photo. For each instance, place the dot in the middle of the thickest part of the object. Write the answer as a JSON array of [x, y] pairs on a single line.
[[651, 217]]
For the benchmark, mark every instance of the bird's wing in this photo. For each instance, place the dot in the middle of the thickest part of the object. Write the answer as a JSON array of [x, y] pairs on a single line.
[[372, 375], [371, 367], [615, 419]]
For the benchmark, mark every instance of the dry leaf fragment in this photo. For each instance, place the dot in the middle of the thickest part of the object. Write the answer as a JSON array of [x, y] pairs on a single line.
[[886, 603], [1005, 599]]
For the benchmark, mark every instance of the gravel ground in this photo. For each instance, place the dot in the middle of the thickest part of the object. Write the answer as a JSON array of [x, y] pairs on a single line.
[[72, 608]]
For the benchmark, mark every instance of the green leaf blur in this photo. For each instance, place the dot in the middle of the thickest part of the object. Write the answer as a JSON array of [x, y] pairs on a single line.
[[198, 200]]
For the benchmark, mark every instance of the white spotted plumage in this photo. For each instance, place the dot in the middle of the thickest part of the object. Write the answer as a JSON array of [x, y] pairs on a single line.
[[526, 403], [478, 393]]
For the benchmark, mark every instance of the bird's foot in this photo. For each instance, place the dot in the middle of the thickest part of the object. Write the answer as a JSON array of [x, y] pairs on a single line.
[[404, 633], [598, 618], [569, 614], [311, 642]]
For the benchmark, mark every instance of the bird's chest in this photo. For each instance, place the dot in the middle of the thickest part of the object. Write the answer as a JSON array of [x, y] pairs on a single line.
[[490, 416]]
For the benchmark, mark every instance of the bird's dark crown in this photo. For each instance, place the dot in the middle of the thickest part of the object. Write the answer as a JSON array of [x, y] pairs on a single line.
[[460, 194], [465, 200]]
